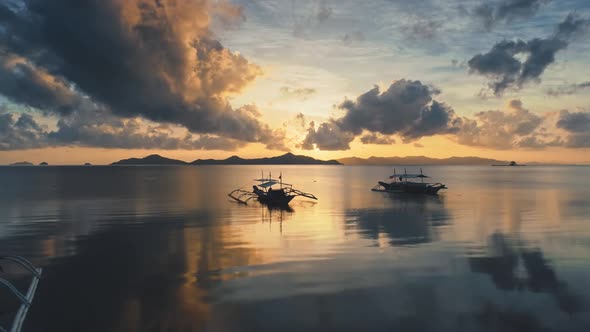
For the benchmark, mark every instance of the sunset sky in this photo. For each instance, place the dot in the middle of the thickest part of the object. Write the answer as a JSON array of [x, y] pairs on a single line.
[[101, 80]]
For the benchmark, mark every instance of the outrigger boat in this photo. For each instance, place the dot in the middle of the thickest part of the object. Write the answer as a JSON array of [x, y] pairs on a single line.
[[267, 194], [399, 184]]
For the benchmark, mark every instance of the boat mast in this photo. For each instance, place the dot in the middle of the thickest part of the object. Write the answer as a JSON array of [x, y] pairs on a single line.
[[421, 177], [406, 174]]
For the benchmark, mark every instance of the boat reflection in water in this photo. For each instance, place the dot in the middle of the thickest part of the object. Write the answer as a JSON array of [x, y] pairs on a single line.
[[408, 220], [276, 214]]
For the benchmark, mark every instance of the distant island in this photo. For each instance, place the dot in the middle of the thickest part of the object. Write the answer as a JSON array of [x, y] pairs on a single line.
[[420, 160], [512, 163], [22, 163], [286, 159], [153, 159], [43, 163]]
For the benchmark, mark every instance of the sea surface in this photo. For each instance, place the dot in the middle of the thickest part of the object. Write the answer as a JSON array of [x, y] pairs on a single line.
[[164, 249]]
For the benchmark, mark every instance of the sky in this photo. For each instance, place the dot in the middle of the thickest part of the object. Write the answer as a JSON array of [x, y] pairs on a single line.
[[101, 80]]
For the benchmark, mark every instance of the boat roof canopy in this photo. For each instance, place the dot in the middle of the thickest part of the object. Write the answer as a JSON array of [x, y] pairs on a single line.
[[268, 184], [408, 176]]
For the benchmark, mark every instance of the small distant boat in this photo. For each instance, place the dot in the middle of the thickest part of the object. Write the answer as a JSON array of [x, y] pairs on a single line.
[[407, 183], [512, 163], [265, 192]]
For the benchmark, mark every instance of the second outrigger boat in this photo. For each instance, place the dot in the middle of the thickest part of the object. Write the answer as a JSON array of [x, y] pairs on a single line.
[[267, 194], [407, 183]]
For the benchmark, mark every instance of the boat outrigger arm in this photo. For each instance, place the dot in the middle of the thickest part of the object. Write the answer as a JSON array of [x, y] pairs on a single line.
[[26, 300], [242, 196]]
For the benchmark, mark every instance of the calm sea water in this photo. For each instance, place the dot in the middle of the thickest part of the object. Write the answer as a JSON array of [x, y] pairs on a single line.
[[163, 249]]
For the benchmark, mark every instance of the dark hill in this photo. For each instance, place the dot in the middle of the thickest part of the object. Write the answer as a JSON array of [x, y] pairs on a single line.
[[153, 159], [22, 163], [286, 159]]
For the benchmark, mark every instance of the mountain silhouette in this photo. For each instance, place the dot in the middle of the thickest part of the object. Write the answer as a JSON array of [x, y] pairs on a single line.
[[286, 159], [153, 159]]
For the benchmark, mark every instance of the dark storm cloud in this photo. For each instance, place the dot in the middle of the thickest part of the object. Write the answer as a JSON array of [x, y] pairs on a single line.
[[25, 84], [376, 139], [520, 128], [506, 70], [19, 132], [569, 89], [492, 13], [485, 13], [327, 136], [156, 60], [539, 142], [574, 122], [571, 27], [406, 108], [578, 141], [103, 130]]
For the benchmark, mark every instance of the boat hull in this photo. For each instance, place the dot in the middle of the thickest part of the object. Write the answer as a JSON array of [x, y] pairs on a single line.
[[271, 201], [410, 188], [276, 197]]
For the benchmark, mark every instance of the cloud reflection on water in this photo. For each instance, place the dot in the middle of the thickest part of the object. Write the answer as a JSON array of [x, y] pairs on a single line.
[[407, 221], [156, 249]]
